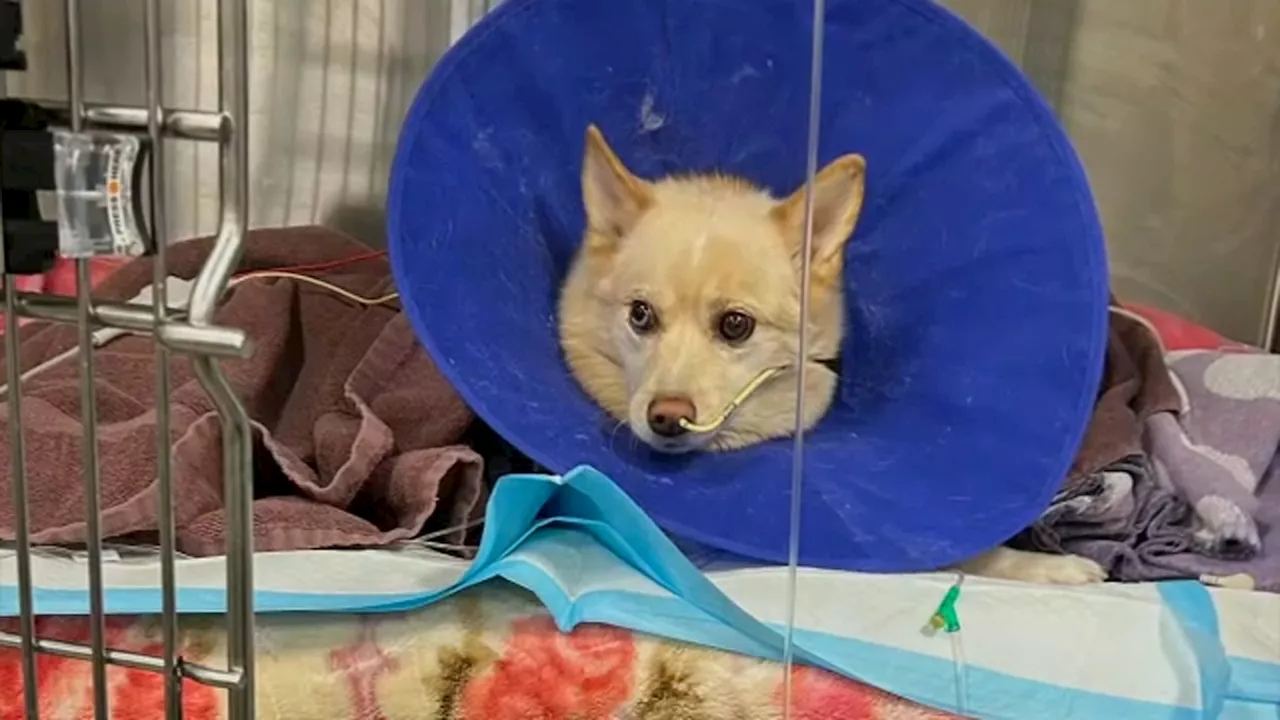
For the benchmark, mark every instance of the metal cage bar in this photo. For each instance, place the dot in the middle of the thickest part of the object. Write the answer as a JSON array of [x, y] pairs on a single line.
[[88, 394], [160, 308], [197, 337], [26, 626]]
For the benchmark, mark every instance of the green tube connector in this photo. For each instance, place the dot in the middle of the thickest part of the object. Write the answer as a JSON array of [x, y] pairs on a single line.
[[945, 617]]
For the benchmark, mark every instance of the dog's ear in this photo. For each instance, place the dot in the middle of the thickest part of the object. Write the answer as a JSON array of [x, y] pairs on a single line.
[[614, 198], [837, 200]]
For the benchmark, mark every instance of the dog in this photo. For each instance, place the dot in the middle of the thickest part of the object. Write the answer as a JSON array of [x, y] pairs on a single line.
[[686, 287]]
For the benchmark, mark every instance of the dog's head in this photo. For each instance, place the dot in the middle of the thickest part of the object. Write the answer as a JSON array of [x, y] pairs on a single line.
[[687, 287]]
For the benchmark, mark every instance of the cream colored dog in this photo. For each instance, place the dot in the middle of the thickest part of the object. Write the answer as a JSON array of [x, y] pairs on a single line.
[[686, 287]]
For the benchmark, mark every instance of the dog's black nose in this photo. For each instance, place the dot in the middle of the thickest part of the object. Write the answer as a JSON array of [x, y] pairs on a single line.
[[665, 414]]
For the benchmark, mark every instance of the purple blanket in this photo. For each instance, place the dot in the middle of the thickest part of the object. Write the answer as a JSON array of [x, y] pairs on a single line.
[[1195, 498], [1219, 455]]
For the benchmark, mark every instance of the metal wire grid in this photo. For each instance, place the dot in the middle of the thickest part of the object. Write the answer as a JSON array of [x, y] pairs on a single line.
[[196, 336]]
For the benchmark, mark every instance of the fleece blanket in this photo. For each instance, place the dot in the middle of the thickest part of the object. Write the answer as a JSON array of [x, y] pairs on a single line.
[[1218, 452], [1174, 477]]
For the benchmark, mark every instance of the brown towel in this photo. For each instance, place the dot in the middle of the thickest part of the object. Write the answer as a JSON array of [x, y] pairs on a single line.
[[356, 426], [1135, 384]]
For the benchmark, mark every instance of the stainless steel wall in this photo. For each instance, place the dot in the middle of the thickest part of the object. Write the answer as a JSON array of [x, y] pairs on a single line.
[[1172, 104]]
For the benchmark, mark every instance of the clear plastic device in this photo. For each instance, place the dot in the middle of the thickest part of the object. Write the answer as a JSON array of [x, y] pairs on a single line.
[[99, 203]]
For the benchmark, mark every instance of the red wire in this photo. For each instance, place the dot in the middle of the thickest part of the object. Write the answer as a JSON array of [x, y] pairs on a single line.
[[316, 267]]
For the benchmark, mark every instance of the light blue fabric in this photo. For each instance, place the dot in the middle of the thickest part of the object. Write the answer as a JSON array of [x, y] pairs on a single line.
[[1197, 620], [572, 541]]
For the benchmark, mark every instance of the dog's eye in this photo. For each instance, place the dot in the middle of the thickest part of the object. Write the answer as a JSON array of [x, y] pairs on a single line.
[[736, 326], [642, 317]]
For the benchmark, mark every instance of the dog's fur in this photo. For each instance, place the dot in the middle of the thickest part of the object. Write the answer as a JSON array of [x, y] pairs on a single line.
[[689, 249]]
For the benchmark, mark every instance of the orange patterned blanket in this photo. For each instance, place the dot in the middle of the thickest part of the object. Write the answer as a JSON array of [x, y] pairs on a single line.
[[488, 654]]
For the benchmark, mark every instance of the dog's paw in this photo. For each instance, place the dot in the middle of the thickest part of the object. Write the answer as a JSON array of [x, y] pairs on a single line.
[[1060, 570], [1035, 567]]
